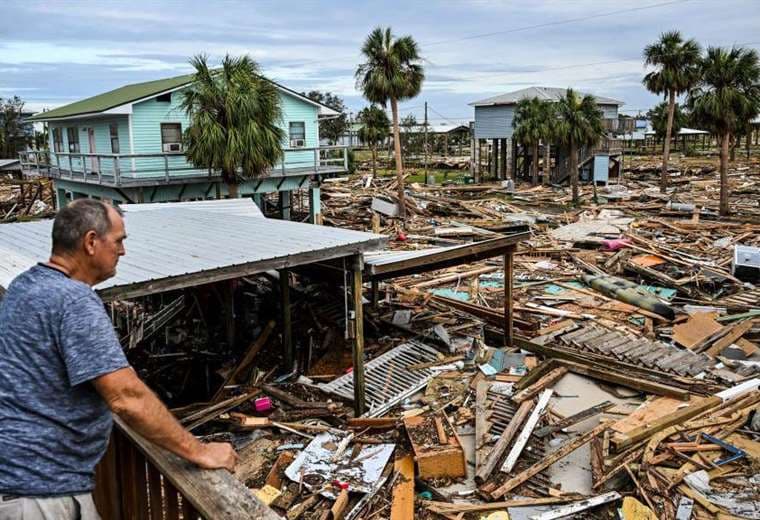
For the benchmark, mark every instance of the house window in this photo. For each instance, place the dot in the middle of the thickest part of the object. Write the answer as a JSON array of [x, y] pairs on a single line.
[[72, 134], [113, 130], [297, 134], [171, 137], [57, 140]]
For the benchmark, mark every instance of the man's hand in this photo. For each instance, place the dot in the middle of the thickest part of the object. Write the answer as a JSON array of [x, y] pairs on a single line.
[[216, 455]]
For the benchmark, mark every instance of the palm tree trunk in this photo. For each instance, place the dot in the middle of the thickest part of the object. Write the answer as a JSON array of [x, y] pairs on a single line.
[[232, 190], [724, 144], [574, 171], [547, 164], [666, 147], [535, 163], [399, 167]]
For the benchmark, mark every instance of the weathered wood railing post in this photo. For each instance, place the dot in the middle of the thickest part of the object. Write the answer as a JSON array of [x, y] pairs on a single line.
[[166, 168], [358, 335]]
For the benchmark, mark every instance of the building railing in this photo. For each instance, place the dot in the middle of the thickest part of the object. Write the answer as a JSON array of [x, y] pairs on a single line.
[[165, 168], [138, 480]]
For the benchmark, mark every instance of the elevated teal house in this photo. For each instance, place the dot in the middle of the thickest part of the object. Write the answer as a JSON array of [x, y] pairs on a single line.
[[126, 146]]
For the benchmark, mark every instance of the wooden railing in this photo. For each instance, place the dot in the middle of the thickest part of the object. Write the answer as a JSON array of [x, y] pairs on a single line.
[[138, 480], [165, 168]]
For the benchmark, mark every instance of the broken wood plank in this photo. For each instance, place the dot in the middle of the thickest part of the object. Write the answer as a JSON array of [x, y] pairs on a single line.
[[530, 424], [559, 454], [573, 419], [402, 505], [535, 388], [577, 507]]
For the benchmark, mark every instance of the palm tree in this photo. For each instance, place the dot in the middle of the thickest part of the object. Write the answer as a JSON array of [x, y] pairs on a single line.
[[579, 123], [676, 71], [235, 120], [374, 130], [726, 98], [391, 73], [532, 124]]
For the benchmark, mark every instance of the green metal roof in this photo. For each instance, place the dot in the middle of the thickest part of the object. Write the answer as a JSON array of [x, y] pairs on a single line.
[[114, 98]]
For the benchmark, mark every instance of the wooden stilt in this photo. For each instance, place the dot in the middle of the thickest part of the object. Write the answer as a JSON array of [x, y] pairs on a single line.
[[358, 336], [287, 325]]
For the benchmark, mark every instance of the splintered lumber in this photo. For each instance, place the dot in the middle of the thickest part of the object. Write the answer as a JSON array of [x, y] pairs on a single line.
[[373, 422], [530, 424], [579, 506], [501, 445], [559, 454], [623, 440], [448, 508], [539, 385], [402, 506], [247, 358], [573, 419], [733, 334], [339, 506]]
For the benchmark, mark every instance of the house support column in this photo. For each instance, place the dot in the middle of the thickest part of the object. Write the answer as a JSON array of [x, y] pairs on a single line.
[[315, 205], [258, 199], [508, 303], [513, 159], [356, 317], [60, 198], [474, 155], [287, 325], [284, 204], [503, 159], [494, 157]]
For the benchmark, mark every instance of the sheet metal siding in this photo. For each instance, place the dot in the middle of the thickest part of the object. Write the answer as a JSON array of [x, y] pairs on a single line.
[[494, 122], [174, 241]]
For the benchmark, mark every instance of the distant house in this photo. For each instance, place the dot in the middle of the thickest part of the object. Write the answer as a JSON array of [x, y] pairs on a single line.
[[126, 145], [494, 117]]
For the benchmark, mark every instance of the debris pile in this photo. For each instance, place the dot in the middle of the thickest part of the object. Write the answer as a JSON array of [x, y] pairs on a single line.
[[631, 390], [25, 199]]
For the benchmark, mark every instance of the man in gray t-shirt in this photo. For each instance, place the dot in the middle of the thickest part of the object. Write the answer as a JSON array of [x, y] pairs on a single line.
[[62, 373]]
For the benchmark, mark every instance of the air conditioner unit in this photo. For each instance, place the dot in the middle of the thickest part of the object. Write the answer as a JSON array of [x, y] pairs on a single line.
[[297, 143], [172, 147]]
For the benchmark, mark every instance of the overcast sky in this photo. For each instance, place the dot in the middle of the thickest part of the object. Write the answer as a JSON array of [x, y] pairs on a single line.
[[55, 52]]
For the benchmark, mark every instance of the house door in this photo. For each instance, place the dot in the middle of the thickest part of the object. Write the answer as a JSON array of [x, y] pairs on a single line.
[[94, 163]]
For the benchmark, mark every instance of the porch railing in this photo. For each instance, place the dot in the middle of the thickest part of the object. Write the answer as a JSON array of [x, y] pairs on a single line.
[[138, 480], [167, 168]]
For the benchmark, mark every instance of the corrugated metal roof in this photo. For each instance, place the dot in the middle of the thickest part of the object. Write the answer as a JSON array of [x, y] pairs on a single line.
[[548, 93], [173, 240]]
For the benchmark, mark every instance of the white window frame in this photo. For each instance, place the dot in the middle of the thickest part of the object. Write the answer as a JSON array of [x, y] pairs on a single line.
[[58, 143], [114, 136], [73, 130], [294, 140], [164, 144]]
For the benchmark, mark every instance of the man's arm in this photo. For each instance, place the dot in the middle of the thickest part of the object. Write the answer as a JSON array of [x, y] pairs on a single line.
[[129, 398]]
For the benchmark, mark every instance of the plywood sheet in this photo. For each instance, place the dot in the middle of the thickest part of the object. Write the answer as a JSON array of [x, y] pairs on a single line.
[[697, 328]]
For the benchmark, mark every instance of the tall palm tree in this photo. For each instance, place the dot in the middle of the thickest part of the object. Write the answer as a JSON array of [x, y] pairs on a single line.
[[392, 72], [676, 71], [374, 130], [726, 98], [235, 120], [532, 124], [579, 123]]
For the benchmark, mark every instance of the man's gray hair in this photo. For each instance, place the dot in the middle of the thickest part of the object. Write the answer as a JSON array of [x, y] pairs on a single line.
[[74, 220]]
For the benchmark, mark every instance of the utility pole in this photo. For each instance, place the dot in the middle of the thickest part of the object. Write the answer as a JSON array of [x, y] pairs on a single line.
[[426, 144]]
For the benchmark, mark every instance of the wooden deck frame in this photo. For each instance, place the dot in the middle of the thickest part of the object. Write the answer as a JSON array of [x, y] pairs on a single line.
[[448, 257]]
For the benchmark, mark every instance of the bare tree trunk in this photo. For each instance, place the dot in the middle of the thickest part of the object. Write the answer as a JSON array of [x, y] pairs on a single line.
[[547, 164], [574, 171], [666, 147], [535, 164], [232, 190], [399, 167], [724, 144], [733, 148], [374, 160]]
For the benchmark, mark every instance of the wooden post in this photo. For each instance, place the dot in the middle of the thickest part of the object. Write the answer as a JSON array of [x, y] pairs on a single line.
[[375, 291], [287, 325], [503, 159], [508, 325], [358, 336], [228, 293], [494, 157]]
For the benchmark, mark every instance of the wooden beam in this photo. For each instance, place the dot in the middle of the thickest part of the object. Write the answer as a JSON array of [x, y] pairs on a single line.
[[358, 336], [509, 333], [535, 388], [287, 323], [402, 506]]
